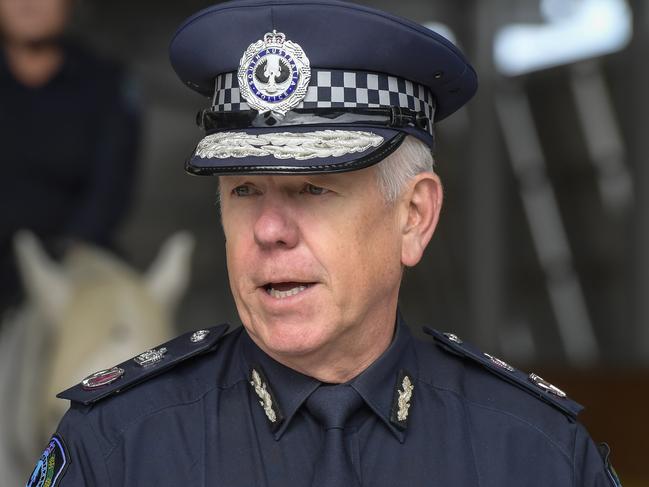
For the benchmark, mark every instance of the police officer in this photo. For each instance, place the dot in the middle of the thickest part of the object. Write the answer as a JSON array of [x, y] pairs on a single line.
[[320, 131]]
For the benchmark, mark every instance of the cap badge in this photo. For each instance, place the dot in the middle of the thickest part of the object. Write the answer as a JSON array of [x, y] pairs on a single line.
[[150, 357], [102, 378], [274, 74]]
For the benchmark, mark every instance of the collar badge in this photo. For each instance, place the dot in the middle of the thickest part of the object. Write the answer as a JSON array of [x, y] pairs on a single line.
[[266, 400], [401, 400], [404, 399], [274, 74]]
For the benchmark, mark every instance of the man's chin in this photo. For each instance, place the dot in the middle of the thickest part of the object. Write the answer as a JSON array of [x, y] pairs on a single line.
[[290, 339]]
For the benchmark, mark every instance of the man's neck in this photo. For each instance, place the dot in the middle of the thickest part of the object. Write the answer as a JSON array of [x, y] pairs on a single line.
[[35, 64]]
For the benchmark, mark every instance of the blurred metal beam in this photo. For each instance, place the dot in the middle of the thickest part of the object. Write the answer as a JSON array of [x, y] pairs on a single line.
[[603, 139], [639, 153], [485, 221], [548, 233]]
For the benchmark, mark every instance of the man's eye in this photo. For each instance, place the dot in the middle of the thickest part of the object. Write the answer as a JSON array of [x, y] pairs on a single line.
[[243, 190], [314, 190]]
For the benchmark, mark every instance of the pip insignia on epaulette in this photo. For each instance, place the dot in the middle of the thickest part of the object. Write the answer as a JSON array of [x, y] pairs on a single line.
[[146, 365], [531, 383]]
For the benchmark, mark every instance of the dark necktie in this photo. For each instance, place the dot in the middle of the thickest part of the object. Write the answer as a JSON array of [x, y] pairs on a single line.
[[332, 406]]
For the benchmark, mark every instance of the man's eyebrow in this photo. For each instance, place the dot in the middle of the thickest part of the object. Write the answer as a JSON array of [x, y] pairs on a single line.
[[325, 179]]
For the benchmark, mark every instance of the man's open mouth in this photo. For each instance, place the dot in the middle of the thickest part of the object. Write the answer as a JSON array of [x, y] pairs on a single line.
[[281, 290]]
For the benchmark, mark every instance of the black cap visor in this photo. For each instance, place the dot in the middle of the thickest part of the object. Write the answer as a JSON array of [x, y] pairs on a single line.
[[294, 150]]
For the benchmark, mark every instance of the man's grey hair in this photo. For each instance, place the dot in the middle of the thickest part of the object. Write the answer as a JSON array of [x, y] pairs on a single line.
[[412, 158]]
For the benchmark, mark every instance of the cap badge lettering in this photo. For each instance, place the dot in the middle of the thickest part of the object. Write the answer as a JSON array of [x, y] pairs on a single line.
[[274, 74]]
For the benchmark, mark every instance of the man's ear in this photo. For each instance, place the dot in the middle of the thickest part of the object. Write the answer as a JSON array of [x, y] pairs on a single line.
[[422, 204]]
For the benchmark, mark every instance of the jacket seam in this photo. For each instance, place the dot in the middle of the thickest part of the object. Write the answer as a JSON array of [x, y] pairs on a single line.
[[574, 458], [104, 457], [471, 432], [565, 454], [164, 408]]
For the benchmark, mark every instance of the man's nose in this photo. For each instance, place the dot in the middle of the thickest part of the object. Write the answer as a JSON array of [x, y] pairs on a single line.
[[276, 226]]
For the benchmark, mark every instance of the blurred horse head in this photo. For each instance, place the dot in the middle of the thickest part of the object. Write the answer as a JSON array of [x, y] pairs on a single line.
[[88, 313]]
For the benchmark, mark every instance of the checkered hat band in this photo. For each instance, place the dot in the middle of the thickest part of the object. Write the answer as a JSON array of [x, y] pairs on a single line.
[[339, 89]]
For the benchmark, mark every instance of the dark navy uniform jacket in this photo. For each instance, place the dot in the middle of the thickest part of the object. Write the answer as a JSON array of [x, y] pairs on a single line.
[[200, 423]]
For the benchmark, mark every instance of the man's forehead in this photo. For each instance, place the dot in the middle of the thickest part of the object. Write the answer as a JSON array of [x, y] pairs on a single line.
[[287, 180]]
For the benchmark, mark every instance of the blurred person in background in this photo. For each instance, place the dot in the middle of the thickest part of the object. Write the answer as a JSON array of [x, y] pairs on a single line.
[[69, 130]]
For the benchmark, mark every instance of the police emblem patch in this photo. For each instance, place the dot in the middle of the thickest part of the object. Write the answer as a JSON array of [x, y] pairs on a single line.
[[274, 74], [51, 466]]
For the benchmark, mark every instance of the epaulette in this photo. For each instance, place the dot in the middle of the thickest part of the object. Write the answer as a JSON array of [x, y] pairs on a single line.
[[145, 366], [530, 383]]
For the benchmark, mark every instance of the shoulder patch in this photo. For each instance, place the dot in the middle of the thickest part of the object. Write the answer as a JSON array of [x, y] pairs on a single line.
[[145, 366], [530, 383], [52, 465]]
